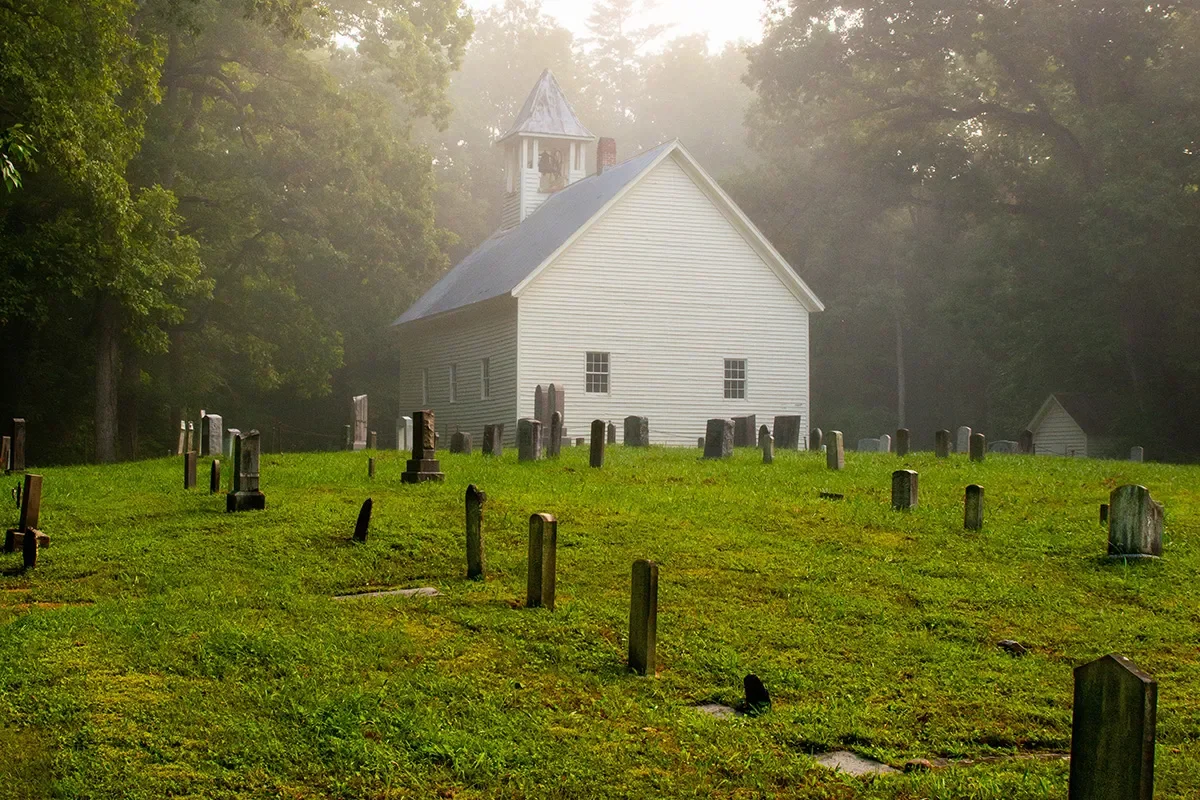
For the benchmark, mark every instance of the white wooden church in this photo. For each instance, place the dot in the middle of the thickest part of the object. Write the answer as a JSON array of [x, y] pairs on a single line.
[[641, 289]]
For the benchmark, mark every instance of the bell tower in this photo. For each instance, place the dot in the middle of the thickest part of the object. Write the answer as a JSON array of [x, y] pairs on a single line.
[[544, 150]]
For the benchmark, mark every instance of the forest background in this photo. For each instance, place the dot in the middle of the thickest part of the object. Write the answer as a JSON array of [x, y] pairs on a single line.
[[223, 204]]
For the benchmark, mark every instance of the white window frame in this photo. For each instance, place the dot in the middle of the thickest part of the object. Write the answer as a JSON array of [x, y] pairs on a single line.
[[604, 375], [485, 379], [454, 383], [731, 383], [425, 387]]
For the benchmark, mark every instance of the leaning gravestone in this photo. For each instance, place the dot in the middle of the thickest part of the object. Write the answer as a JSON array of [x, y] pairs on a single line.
[[1135, 453], [245, 495], [423, 466], [362, 525], [211, 435], [529, 440], [787, 431], [816, 440], [904, 490], [596, 456], [643, 618], [973, 508], [902, 437], [637, 432], [743, 431], [493, 440], [962, 440], [475, 501], [1135, 523], [867, 446], [556, 430], [541, 410], [835, 454], [1025, 443], [404, 429], [26, 537], [543, 557], [768, 448], [978, 446], [941, 443], [1112, 731], [358, 412], [718, 438], [612, 433]]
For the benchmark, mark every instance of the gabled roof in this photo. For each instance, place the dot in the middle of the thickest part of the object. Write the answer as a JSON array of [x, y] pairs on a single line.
[[547, 112], [508, 261], [1092, 413]]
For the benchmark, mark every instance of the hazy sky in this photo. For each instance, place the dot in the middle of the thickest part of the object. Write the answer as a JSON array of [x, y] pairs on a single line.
[[722, 20]]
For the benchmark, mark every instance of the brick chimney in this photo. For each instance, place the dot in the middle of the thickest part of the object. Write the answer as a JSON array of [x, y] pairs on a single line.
[[606, 154]]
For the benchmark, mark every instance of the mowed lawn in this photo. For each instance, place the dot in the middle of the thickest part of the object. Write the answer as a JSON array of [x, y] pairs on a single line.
[[164, 648]]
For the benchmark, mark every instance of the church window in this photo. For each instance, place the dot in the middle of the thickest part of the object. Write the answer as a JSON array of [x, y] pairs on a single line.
[[596, 377], [485, 379], [735, 379]]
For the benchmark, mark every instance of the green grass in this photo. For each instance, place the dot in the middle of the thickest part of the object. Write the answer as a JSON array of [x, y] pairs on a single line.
[[165, 648]]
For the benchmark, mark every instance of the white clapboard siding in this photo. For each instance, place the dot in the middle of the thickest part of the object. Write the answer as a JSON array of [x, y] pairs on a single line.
[[670, 288], [465, 338], [1059, 434]]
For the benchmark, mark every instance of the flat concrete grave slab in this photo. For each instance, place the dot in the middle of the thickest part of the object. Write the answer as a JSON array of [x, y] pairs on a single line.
[[718, 710], [420, 591], [854, 764]]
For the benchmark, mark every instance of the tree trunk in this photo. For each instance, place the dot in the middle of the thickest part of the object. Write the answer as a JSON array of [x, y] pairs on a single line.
[[131, 384], [108, 360]]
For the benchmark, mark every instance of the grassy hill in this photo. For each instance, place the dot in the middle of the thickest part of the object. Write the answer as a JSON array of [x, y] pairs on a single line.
[[165, 648]]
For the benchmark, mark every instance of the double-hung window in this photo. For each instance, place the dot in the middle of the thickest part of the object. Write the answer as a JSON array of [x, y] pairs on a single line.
[[454, 383], [485, 379], [596, 374], [735, 379]]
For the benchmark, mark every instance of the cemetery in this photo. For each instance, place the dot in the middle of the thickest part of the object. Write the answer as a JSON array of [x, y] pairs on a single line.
[[740, 619]]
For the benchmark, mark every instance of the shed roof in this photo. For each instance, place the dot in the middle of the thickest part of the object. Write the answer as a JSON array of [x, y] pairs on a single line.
[[547, 112], [1094, 414]]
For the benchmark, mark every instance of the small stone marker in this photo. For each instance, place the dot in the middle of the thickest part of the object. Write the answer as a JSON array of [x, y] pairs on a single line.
[[362, 525], [475, 501], [556, 430], [543, 556], [493, 440], [245, 495], [904, 489], [962, 439], [529, 440], [371, 467], [211, 435], [885, 444], [1112, 731], [758, 699], [973, 508], [460, 443], [768, 449], [867, 446], [596, 456], [835, 455], [404, 429], [26, 537], [902, 439], [423, 466], [373, 440], [180, 450], [1104, 513], [744, 429], [786, 429], [637, 432], [189, 470], [643, 617], [719, 438], [1135, 523], [191, 438], [214, 477], [612, 433], [1135, 454], [580, 441], [941, 443], [816, 440], [700, 442], [1025, 443], [978, 446], [358, 415]]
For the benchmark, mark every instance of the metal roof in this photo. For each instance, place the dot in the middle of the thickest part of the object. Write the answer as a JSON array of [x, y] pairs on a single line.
[[547, 112], [503, 261]]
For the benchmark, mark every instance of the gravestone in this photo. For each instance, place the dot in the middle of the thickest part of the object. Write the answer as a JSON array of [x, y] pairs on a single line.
[[978, 446], [1003, 446], [214, 477], [5, 452], [1104, 513], [904, 490], [181, 449], [246, 495], [543, 555], [556, 430], [885, 444], [348, 436], [580, 441], [541, 409], [744, 429], [26, 537], [556, 400], [404, 428], [190, 444], [1025, 443], [211, 435], [358, 417], [816, 440], [371, 467], [786, 428], [973, 508], [718, 438], [1135, 523], [643, 618], [763, 433], [362, 526], [596, 456], [637, 432], [1112, 731], [700, 442], [475, 501], [493, 440], [867, 446], [902, 439], [423, 466], [941, 443], [529, 440], [231, 435], [1135, 453], [461, 444], [189, 470], [962, 439], [757, 699], [373, 440], [612, 433], [835, 454], [768, 449]]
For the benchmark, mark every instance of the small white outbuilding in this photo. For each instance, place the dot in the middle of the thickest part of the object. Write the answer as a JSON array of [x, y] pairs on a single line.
[[1074, 424]]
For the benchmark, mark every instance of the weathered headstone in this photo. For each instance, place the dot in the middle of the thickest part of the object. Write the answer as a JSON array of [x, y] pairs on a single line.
[[744, 429], [475, 501], [718, 438], [26, 537], [700, 442], [231, 435], [612, 433], [1025, 443], [962, 439], [757, 699], [596, 456], [885, 443], [1003, 446], [978, 446], [371, 467], [556, 401], [637, 432], [556, 430], [543, 555], [423, 466], [529, 440], [1135, 523], [5, 452], [904, 489], [763, 433], [973, 508], [182, 448], [816, 440], [461, 444], [189, 470], [362, 526], [768, 449], [902, 440], [786, 428], [867, 446], [1135, 453], [941, 443], [541, 408], [1112, 731], [835, 454], [404, 433], [246, 495], [373, 440], [643, 618], [493, 440], [211, 435], [191, 438], [1104, 513], [358, 417], [214, 477], [580, 441]]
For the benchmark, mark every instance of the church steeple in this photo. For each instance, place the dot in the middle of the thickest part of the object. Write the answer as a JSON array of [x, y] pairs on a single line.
[[544, 150]]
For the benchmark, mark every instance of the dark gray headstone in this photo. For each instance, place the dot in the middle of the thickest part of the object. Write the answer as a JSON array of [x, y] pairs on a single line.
[[612, 433], [902, 441], [371, 467], [596, 457], [475, 501], [637, 432], [700, 442], [1135, 523], [763, 433], [189, 470], [214, 477], [543, 555], [978, 446], [643, 618], [835, 453], [941, 443], [904, 489], [1112, 731], [246, 495], [1137, 454], [816, 440], [460, 444], [493, 440], [786, 428], [373, 440], [744, 429], [556, 431], [529, 440], [541, 409], [424, 465], [362, 525], [973, 508], [718, 438]]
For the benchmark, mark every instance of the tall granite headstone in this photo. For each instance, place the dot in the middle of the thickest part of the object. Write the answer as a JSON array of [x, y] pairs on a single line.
[[529, 440], [543, 556], [786, 428], [612, 433], [246, 495], [493, 440], [358, 416], [744, 429], [231, 435], [1112, 731], [835, 454], [941, 443], [474, 502], [211, 435], [596, 456], [643, 618], [423, 466], [902, 438], [978, 446]]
